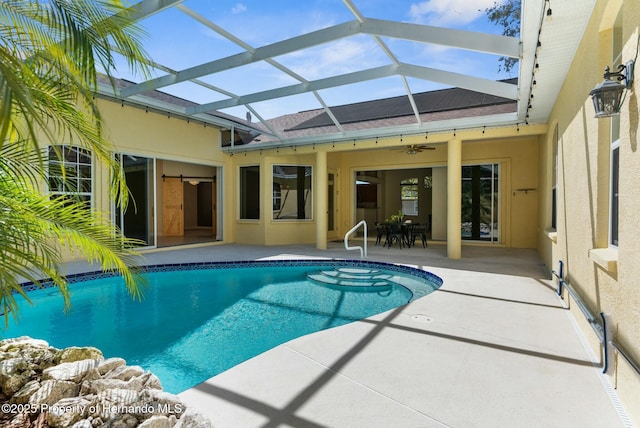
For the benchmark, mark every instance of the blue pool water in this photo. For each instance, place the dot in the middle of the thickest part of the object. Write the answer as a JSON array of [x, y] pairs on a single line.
[[193, 324]]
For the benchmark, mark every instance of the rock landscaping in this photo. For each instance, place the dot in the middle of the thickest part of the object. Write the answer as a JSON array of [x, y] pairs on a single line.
[[41, 386]]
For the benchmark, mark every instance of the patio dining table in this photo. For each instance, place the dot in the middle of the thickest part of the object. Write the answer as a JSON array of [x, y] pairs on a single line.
[[403, 233]]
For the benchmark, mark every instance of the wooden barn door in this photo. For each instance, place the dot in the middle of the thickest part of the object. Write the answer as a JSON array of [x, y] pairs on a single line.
[[172, 207]]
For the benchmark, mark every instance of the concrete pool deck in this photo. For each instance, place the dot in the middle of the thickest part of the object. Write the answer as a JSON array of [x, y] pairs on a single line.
[[494, 347]]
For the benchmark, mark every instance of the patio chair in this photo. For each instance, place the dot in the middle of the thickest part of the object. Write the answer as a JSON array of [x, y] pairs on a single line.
[[419, 230], [395, 235], [381, 230]]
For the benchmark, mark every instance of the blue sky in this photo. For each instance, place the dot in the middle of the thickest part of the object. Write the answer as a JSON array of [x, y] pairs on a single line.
[[177, 41]]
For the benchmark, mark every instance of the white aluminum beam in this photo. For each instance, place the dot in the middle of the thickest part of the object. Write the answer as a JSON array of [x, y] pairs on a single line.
[[245, 58], [206, 22], [499, 45], [501, 89], [146, 8], [486, 86], [468, 40], [330, 82]]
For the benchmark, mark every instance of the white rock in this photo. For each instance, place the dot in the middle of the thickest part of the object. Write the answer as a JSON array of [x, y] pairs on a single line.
[[125, 372], [75, 353], [51, 391], [153, 382], [166, 403], [73, 371], [156, 422], [22, 341], [67, 411], [109, 364], [115, 401], [87, 393], [84, 423], [25, 393], [100, 385], [13, 366]]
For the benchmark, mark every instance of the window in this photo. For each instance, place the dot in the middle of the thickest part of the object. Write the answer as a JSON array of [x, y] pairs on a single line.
[[277, 196], [250, 192], [554, 180], [70, 173], [409, 196], [293, 200], [613, 213], [615, 141]]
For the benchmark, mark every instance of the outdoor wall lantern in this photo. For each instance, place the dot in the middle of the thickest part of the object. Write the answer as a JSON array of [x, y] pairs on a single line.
[[607, 96]]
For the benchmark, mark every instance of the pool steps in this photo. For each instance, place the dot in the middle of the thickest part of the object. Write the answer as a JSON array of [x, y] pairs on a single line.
[[352, 279]]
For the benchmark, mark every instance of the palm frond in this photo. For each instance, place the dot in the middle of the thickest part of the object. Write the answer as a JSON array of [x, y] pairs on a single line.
[[50, 52]]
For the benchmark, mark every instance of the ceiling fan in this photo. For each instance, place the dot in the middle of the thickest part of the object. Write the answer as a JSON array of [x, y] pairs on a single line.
[[412, 149]]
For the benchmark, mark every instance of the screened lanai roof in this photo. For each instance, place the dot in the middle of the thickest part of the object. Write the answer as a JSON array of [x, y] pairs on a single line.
[[251, 64]]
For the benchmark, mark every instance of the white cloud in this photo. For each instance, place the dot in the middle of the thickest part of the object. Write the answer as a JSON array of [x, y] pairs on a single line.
[[342, 56], [448, 12], [238, 8]]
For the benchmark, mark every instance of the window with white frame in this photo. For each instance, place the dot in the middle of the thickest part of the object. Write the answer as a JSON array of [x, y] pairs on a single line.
[[409, 196], [70, 173]]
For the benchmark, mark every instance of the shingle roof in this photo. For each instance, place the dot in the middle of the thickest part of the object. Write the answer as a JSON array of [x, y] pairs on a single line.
[[426, 102], [166, 98]]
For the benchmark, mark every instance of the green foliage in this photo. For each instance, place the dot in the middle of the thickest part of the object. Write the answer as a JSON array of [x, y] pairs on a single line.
[[49, 54], [507, 15], [396, 218]]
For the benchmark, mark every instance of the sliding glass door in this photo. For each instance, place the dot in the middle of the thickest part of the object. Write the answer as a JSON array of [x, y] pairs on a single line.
[[137, 220], [480, 202]]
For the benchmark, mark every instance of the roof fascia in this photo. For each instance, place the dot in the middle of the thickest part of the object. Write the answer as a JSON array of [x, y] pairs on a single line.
[[446, 125]]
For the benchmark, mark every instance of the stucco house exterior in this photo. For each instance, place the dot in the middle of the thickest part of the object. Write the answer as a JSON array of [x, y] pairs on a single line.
[[564, 182]]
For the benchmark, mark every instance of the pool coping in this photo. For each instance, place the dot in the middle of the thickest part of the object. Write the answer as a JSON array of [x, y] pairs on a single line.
[[416, 292]]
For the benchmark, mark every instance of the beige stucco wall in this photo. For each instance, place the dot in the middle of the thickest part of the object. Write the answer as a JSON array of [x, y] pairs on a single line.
[[518, 157], [133, 130], [516, 154], [267, 230], [189, 148], [439, 205], [609, 281]]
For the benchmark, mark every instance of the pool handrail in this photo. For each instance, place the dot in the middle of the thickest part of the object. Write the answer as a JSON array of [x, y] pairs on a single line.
[[363, 252]]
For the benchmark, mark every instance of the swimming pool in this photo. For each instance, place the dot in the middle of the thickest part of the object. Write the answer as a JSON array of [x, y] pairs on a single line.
[[197, 320]]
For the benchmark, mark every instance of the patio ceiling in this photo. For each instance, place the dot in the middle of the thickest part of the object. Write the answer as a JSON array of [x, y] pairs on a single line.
[[275, 83]]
